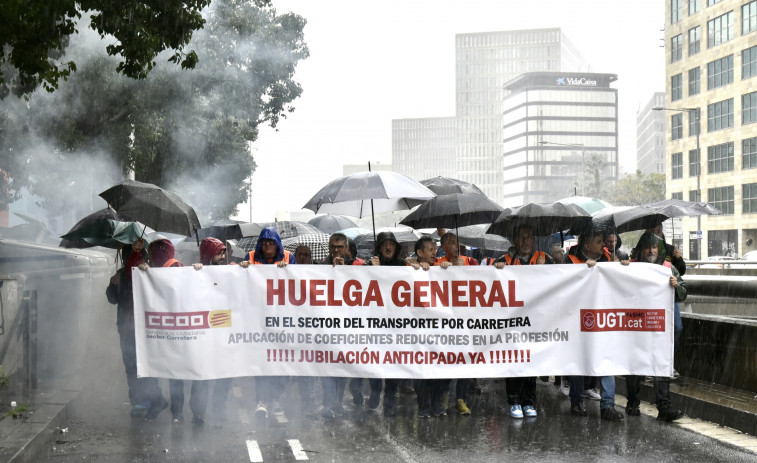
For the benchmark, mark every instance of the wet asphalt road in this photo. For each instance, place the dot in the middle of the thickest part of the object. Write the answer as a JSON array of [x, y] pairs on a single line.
[[101, 429]]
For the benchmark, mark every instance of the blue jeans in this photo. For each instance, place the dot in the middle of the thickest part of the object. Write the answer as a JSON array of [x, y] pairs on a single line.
[[606, 391]]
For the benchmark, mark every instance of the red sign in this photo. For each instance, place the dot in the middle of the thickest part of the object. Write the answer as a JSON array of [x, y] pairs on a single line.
[[622, 320]]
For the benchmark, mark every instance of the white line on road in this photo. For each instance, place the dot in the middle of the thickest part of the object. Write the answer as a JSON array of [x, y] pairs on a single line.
[[254, 451], [299, 453]]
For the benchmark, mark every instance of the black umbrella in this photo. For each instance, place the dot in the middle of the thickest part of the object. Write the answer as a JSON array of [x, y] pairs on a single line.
[[622, 219], [453, 210], [331, 223], [475, 236], [544, 219], [96, 216], [448, 186], [227, 229], [153, 206]]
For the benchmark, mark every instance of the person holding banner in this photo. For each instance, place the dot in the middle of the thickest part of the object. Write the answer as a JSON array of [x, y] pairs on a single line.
[[521, 392], [268, 389], [647, 251], [144, 393], [430, 391], [386, 252], [590, 250]]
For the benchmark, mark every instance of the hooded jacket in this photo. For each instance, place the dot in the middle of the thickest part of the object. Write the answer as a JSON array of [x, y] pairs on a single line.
[[209, 247], [256, 256], [161, 254], [395, 259]]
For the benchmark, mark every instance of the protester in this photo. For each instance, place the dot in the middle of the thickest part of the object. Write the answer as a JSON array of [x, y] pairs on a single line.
[[647, 250], [352, 251], [451, 249], [303, 255], [144, 393], [387, 252], [612, 245], [590, 250], [521, 392], [430, 392], [268, 389], [557, 253]]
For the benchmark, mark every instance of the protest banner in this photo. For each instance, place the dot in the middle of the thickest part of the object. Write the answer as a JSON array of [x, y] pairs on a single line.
[[397, 322]]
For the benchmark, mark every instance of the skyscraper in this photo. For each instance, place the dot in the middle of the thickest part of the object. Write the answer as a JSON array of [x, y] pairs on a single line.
[[650, 137]]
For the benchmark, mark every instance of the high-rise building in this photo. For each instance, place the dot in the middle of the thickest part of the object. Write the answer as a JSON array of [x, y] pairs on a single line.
[[485, 61], [650, 137], [424, 148], [560, 132], [711, 73]]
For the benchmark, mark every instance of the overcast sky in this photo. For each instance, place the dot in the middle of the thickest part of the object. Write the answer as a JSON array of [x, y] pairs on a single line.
[[374, 61]]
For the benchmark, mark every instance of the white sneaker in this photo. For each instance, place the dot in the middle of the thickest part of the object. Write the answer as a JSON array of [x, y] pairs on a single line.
[[529, 411], [591, 394], [565, 387], [516, 411], [276, 409], [261, 411]]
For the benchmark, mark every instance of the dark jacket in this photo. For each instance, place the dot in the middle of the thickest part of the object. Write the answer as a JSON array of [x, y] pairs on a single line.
[[121, 293], [395, 259]]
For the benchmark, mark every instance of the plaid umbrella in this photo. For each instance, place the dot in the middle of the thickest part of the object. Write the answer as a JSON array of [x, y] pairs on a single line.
[[317, 242]]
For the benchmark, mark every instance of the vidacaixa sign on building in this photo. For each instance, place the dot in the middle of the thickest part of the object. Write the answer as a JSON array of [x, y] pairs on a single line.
[[576, 81]]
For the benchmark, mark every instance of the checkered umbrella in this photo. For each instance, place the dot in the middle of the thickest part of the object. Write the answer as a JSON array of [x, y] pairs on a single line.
[[317, 242]]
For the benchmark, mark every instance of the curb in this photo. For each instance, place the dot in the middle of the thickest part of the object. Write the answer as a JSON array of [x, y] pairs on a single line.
[[699, 408]]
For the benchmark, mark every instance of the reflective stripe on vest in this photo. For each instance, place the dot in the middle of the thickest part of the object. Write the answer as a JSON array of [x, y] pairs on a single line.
[[251, 256], [510, 261]]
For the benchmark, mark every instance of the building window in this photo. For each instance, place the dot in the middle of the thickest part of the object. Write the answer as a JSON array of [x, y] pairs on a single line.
[[676, 87], [676, 166], [720, 158], [720, 30], [693, 81], [676, 126], [720, 115], [749, 62], [695, 196], [693, 6], [723, 242], [693, 129], [749, 17], [749, 153], [720, 72], [712, 2], [695, 35], [749, 195], [676, 11], [722, 198], [676, 48], [678, 196], [693, 163], [749, 108]]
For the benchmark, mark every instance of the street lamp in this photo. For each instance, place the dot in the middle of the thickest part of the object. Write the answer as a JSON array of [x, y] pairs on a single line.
[[583, 153], [699, 163]]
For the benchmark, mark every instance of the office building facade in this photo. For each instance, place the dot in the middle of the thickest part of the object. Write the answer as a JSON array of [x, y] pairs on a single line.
[[711, 72], [650, 136], [560, 132], [425, 147]]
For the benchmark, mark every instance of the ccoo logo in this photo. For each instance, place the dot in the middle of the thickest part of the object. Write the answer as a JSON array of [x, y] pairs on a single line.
[[188, 320], [589, 320]]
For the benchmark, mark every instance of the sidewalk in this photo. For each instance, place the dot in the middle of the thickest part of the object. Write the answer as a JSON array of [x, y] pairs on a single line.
[[23, 439]]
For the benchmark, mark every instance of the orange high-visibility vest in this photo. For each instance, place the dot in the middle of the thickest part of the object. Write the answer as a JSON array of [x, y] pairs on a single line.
[[253, 261], [466, 259], [510, 261], [577, 260], [171, 263]]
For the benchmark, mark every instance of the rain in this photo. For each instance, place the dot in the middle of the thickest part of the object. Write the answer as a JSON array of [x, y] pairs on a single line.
[[156, 153]]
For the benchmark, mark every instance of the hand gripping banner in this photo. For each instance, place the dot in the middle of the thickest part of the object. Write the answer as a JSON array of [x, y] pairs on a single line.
[[397, 322]]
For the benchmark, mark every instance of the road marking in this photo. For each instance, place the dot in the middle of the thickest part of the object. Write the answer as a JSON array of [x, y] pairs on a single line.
[[254, 451], [299, 453], [705, 428]]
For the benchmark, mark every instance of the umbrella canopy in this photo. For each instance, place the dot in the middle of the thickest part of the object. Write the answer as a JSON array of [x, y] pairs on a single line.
[[448, 186], [317, 242], [291, 228], [107, 213], [155, 207], [365, 193], [680, 208], [590, 205], [622, 219], [475, 236], [228, 229], [351, 233], [331, 223], [454, 210], [544, 219], [108, 233]]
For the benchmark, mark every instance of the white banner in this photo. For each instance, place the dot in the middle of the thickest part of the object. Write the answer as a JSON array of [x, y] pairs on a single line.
[[397, 322]]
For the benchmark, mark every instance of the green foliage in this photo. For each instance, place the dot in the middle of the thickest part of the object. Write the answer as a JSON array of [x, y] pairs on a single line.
[[635, 189], [35, 35], [188, 132], [18, 411]]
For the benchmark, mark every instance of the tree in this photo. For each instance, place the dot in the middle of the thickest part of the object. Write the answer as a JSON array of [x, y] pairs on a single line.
[[36, 33], [186, 131], [635, 189]]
